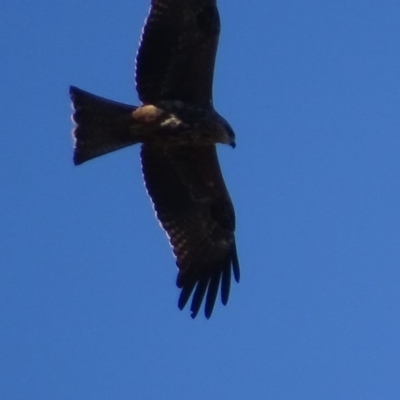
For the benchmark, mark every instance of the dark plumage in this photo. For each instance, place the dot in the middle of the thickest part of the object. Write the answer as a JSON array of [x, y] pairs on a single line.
[[178, 128]]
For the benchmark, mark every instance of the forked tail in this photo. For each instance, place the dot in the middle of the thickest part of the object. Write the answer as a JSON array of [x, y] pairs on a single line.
[[102, 125]]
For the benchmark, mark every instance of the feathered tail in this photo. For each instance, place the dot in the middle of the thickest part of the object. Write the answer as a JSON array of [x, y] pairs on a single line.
[[102, 125]]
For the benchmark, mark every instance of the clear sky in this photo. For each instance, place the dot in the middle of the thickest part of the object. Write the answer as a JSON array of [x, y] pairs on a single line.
[[87, 279]]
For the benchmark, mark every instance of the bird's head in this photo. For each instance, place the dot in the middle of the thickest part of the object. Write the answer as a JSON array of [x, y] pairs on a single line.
[[227, 134]]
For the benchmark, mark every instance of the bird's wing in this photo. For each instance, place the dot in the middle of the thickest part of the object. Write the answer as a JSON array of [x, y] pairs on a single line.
[[194, 208], [177, 52]]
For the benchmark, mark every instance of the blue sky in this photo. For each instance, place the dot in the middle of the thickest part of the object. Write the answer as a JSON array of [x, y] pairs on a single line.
[[87, 279]]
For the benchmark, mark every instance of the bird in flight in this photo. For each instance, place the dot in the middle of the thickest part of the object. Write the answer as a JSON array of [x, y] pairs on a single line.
[[178, 129]]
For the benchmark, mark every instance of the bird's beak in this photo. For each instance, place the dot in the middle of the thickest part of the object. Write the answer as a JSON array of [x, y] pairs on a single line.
[[233, 144]]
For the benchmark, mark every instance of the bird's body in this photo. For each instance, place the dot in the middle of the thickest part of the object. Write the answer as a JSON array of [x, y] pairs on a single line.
[[178, 129], [173, 123]]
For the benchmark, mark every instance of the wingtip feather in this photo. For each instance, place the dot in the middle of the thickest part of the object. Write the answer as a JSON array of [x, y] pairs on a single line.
[[225, 284], [186, 292], [212, 294], [198, 297], [235, 264]]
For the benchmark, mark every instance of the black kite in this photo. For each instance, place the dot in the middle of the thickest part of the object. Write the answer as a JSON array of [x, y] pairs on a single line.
[[178, 128]]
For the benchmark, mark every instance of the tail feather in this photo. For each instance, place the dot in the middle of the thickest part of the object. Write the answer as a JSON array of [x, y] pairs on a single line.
[[102, 125]]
